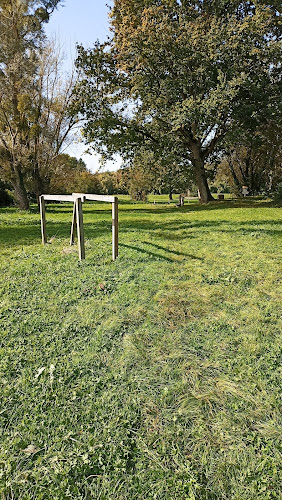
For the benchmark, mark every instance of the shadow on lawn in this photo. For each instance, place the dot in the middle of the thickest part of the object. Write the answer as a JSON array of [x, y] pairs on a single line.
[[27, 232], [127, 206], [175, 252], [195, 206], [30, 233], [158, 255], [147, 252]]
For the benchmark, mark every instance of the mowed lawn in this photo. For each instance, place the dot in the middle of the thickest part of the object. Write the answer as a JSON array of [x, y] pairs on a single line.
[[157, 376]]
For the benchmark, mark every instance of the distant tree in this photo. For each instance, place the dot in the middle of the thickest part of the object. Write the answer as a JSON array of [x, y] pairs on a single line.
[[255, 161], [51, 124], [160, 174], [140, 183], [107, 181], [172, 178], [177, 76], [63, 173], [122, 181], [68, 175]]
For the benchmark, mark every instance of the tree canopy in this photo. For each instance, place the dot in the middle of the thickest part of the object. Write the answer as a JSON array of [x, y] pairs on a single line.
[[34, 122], [178, 76]]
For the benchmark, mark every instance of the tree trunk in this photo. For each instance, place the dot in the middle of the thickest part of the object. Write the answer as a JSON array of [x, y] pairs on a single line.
[[201, 180], [234, 177], [20, 191], [170, 196]]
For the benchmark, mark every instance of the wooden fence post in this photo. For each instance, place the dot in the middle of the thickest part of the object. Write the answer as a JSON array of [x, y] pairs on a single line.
[[80, 230], [115, 228], [73, 224], [43, 219]]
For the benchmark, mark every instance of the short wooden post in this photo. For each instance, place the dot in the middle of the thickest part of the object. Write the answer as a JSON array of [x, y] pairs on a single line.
[[115, 227], [80, 230], [43, 219], [73, 224]]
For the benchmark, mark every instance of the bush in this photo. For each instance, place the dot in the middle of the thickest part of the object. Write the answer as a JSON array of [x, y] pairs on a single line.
[[277, 195], [5, 198], [138, 194]]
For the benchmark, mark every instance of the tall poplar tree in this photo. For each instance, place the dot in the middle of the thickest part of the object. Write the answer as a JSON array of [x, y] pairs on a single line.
[[21, 39], [179, 75]]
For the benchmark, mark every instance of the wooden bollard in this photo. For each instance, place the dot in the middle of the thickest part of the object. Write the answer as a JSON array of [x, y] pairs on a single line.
[[43, 219], [73, 224], [80, 230], [115, 228]]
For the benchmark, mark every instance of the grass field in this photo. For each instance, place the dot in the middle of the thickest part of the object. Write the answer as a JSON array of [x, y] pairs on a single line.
[[157, 376]]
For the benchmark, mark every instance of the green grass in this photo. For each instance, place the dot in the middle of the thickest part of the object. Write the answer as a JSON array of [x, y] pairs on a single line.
[[157, 376]]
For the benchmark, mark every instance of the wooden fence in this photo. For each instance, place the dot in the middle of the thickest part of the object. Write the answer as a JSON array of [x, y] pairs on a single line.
[[77, 219]]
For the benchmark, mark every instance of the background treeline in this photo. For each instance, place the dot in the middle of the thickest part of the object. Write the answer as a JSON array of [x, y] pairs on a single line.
[[67, 174], [228, 173]]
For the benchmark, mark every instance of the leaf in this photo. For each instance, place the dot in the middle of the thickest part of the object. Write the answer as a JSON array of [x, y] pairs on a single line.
[[31, 449], [40, 371], [51, 371]]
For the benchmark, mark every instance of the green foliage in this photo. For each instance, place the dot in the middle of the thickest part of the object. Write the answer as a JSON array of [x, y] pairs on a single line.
[[254, 161], [5, 198], [34, 122], [278, 194], [66, 174], [152, 174], [177, 76], [154, 377]]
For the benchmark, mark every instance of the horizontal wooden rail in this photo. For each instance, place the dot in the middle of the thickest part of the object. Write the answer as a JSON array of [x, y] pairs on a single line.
[[95, 197], [58, 197], [72, 197]]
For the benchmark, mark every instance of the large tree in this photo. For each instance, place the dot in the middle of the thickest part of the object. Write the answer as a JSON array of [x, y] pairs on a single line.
[[33, 102], [177, 75]]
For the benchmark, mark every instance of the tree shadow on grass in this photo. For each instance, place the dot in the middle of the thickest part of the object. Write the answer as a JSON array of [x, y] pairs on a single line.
[[69, 210], [127, 206], [175, 252], [147, 252], [164, 207], [30, 233], [27, 232]]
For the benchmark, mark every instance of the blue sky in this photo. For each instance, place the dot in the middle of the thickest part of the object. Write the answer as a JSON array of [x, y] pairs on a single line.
[[80, 21]]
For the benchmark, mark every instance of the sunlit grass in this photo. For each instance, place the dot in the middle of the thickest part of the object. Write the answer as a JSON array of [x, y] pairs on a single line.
[[154, 377]]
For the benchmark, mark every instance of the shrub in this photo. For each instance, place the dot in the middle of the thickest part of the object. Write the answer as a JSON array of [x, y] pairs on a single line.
[[277, 195], [5, 198]]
